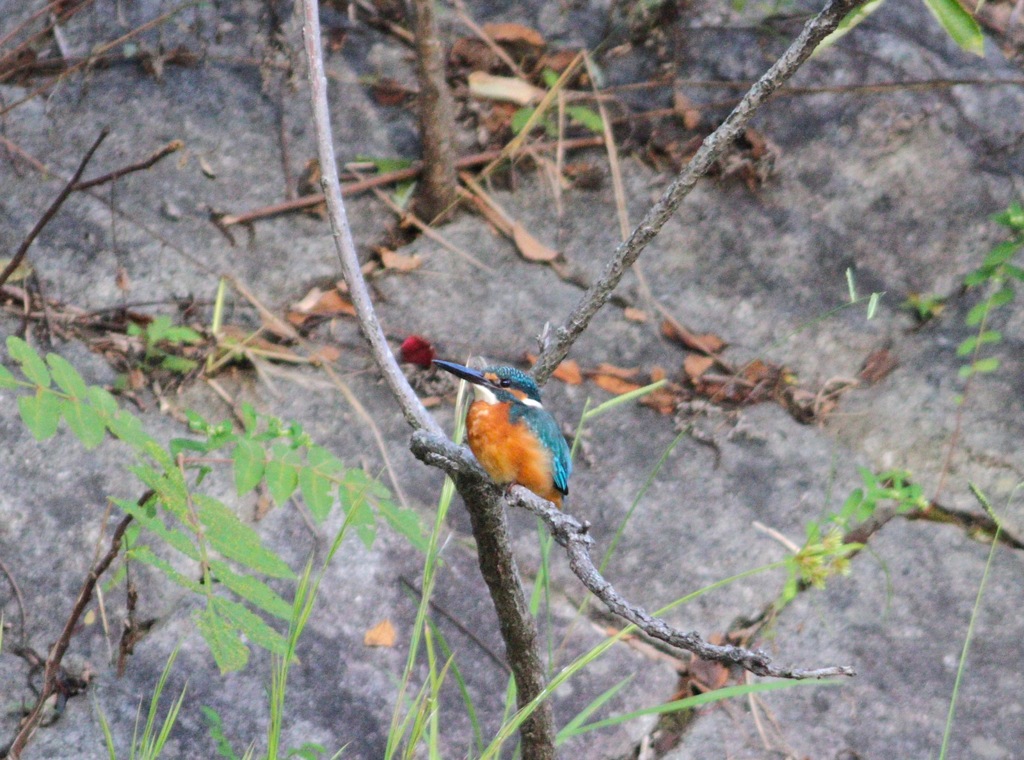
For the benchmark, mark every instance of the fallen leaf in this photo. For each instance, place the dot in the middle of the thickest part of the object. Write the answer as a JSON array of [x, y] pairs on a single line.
[[511, 89], [389, 92], [381, 635], [623, 373], [514, 33], [695, 365], [568, 371], [686, 110], [706, 344], [615, 385], [664, 400], [399, 262], [530, 247], [878, 365], [430, 401], [325, 355], [320, 303], [634, 314], [205, 167], [658, 373], [121, 280]]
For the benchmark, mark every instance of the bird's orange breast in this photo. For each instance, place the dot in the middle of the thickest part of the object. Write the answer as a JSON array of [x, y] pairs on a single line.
[[510, 453]]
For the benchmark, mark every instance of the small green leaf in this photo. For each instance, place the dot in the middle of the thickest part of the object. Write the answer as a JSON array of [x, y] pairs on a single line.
[[253, 590], [317, 489], [976, 314], [145, 555], [308, 751], [236, 540], [977, 277], [249, 418], [175, 538], [104, 402], [520, 118], [128, 428], [248, 465], [990, 364], [83, 421], [959, 24], [32, 366], [178, 364], [6, 378], [66, 376], [281, 479], [965, 371], [251, 625], [227, 648], [40, 413], [1002, 253], [216, 728], [1001, 297], [586, 117]]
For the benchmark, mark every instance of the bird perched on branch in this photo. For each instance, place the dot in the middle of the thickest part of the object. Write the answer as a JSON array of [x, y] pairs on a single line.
[[511, 434]]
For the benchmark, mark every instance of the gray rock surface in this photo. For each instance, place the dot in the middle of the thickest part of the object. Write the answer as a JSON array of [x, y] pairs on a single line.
[[896, 186]]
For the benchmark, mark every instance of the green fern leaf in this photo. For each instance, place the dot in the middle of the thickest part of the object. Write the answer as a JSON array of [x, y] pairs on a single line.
[[32, 366]]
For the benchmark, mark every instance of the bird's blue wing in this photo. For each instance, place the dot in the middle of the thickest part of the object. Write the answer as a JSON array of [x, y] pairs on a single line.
[[544, 425]]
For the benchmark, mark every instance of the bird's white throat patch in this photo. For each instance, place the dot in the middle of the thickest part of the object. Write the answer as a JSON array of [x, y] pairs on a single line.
[[485, 394]]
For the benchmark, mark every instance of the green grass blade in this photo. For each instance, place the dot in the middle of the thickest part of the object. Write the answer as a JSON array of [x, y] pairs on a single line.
[[727, 692], [948, 731]]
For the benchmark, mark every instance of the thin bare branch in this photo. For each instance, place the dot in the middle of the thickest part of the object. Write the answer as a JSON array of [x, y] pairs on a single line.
[[168, 149], [573, 535], [412, 408], [710, 151], [19, 256]]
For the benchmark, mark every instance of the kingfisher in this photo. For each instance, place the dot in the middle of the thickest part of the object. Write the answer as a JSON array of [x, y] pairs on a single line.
[[512, 435]]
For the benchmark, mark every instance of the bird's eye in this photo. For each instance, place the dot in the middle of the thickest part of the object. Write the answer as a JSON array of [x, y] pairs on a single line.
[[504, 382]]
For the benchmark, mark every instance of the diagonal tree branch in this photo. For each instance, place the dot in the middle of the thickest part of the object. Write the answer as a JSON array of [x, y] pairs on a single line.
[[710, 151], [573, 535]]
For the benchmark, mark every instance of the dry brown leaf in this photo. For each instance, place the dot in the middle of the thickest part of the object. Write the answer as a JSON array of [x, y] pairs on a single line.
[[623, 373], [686, 110], [325, 355], [399, 262], [664, 400], [320, 303], [514, 33], [878, 365], [530, 247], [381, 635], [658, 373], [568, 371], [511, 89], [634, 314], [695, 365], [615, 385], [706, 344]]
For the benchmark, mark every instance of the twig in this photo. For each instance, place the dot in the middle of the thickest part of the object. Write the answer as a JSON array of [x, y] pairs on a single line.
[[168, 149], [54, 207], [412, 408], [386, 178], [438, 451], [53, 662], [22, 639], [710, 151]]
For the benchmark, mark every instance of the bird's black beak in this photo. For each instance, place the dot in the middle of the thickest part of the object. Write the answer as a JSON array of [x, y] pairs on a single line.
[[469, 375]]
